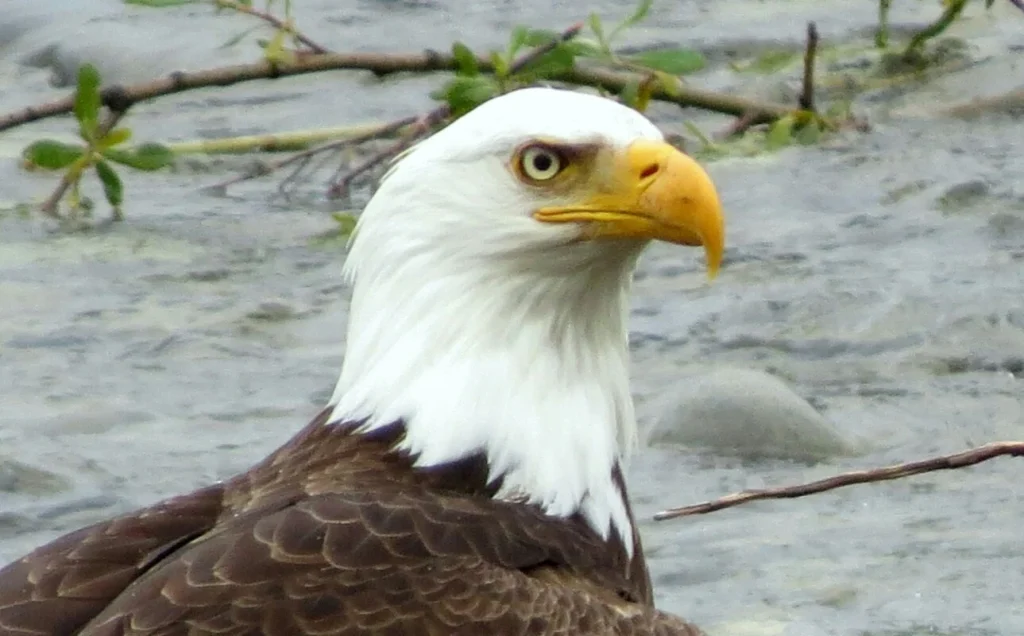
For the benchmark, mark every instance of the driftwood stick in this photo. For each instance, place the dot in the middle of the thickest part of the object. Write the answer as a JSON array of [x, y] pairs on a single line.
[[421, 126], [384, 130], [897, 471], [807, 94], [381, 64], [739, 126]]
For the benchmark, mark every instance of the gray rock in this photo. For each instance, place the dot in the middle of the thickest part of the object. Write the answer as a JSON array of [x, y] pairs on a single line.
[[20, 478], [749, 414], [125, 45]]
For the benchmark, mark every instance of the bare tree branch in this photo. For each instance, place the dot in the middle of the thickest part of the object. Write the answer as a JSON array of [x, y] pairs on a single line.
[[300, 157], [122, 97], [807, 94], [898, 471], [274, 21]]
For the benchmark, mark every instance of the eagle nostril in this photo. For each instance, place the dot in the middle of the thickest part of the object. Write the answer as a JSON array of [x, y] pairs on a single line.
[[650, 171]]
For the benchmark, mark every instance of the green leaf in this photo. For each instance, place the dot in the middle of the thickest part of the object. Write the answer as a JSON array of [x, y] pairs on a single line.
[[540, 37], [115, 137], [112, 186], [671, 84], [87, 101], [638, 16], [517, 41], [637, 93], [146, 157], [808, 134], [51, 154], [595, 25], [463, 94], [275, 53], [160, 3], [346, 222], [465, 59], [500, 65], [555, 62], [582, 47], [780, 134], [767, 62], [630, 93], [674, 61]]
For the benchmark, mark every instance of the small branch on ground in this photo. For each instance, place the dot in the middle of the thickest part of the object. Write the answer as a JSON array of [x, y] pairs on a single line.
[[380, 132], [382, 64], [898, 471], [953, 9], [274, 21], [741, 125], [807, 94], [342, 180], [882, 33]]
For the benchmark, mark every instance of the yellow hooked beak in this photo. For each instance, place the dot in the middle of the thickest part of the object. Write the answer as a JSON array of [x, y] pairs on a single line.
[[651, 191]]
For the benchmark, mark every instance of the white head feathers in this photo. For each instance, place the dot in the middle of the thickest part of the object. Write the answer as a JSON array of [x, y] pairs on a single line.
[[483, 329]]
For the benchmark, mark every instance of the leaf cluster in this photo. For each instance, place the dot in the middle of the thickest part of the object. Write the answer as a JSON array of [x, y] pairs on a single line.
[[99, 149], [479, 78]]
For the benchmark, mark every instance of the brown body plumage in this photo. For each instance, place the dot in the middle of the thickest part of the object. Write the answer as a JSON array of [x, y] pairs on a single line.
[[335, 534]]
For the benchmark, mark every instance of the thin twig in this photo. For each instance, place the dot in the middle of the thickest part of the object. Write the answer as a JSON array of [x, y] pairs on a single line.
[[897, 471], [807, 95], [535, 54], [949, 15], [739, 126], [882, 33], [342, 180], [274, 21], [121, 97], [341, 183], [51, 204], [381, 131]]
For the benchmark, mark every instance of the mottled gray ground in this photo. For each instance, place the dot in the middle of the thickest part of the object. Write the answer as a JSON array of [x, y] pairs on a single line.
[[879, 275]]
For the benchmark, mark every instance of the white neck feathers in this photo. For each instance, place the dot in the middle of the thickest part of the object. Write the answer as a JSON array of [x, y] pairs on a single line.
[[514, 345], [473, 362]]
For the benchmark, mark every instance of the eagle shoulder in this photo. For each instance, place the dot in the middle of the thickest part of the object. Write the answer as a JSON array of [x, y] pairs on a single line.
[[57, 588], [384, 561]]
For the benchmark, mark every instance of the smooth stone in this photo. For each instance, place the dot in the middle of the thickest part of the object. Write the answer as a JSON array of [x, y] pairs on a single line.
[[749, 414], [125, 45], [20, 478]]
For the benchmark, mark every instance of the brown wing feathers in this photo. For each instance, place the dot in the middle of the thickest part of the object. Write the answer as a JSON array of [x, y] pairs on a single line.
[[351, 563], [331, 536], [60, 586]]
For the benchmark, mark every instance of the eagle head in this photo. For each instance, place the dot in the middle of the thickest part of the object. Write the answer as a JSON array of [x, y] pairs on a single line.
[[490, 275]]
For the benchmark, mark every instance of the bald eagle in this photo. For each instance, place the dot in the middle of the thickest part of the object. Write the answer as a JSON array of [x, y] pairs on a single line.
[[466, 476]]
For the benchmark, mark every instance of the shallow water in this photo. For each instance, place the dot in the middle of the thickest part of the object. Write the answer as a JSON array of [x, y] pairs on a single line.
[[880, 274]]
